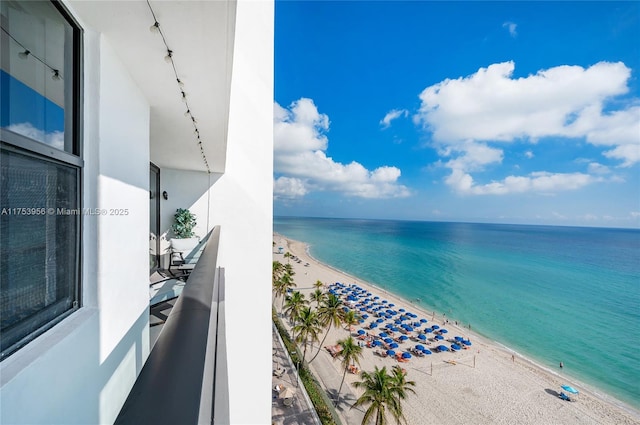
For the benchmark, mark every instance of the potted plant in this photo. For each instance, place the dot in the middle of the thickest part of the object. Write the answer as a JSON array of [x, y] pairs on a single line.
[[184, 239]]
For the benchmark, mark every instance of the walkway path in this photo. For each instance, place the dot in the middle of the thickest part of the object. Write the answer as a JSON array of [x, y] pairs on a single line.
[[301, 411]]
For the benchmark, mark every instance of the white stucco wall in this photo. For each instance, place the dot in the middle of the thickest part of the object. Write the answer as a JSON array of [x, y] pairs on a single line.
[[82, 369], [242, 205]]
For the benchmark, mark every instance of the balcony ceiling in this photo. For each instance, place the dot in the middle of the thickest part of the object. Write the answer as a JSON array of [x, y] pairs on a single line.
[[200, 34]]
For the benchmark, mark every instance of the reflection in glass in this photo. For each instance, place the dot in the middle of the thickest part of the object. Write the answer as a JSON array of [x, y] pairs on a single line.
[[36, 73]]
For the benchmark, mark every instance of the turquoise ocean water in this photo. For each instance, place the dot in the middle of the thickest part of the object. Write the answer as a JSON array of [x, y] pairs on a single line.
[[550, 293]]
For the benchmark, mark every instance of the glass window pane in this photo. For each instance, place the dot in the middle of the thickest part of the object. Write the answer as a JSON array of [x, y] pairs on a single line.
[[39, 225], [36, 73]]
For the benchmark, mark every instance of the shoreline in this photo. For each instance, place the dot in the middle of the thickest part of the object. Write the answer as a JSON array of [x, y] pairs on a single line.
[[541, 381]]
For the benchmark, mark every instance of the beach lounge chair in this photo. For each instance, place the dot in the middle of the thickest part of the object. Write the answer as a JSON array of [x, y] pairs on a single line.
[[563, 396]]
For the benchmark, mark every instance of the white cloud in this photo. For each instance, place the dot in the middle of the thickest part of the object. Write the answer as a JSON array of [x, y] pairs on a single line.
[[55, 138], [539, 182], [596, 168], [287, 187], [392, 115], [299, 157], [512, 27], [468, 114]]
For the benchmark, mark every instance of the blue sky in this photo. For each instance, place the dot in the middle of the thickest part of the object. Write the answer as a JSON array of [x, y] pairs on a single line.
[[513, 112]]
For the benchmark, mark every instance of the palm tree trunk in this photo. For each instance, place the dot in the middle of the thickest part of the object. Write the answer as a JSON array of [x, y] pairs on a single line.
[[322, 342], [342, 382]]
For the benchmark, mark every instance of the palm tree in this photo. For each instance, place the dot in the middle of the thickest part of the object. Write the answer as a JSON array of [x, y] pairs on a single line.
[[350, 318], [277, 273], [287, 255], [383, 392], [330, 314], [286, 283], [351, 353], [288, 269], [401, 385], [294, 305], [318, 284], [317, 296], [307, 328], [278, 270]]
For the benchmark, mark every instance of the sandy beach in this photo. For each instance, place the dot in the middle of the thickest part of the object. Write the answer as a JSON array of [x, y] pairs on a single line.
[[485, 384]]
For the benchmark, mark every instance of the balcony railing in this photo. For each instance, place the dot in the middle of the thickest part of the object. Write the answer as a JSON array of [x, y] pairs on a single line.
[[184, 380]]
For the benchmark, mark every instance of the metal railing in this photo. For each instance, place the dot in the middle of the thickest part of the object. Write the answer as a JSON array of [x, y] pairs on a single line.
[[184, 380]]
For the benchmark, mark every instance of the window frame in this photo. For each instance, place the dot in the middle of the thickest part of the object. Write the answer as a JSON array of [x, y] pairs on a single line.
[[17, 143]]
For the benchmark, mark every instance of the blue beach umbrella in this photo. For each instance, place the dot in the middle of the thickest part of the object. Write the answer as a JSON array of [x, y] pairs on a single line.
[[439, 337], [422, 337], [423, 320], [361, 332], [365, 316], [425, 351], [442, 348], [458, 338], [380, 320], [388, 340], [569, 389], [384, 301], [394, 329], [402, 310], [420, 347], [392, 305], [466, 342], [391, 353], [434, 327], [444, 331], [408, 328], [376, 343], [406, 355], [456, 347], [428, 330], [383, 334], [403, 338], [373, 325], [393, 345]]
